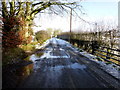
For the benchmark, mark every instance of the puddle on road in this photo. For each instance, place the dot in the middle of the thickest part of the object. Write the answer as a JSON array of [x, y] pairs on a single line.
[[24, 71], [12, 78]]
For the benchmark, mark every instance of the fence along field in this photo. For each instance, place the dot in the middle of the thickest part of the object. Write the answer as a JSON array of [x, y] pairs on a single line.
[[105, 45]]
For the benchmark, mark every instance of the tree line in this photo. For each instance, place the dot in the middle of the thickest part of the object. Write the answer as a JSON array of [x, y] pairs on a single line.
[[18, 16]]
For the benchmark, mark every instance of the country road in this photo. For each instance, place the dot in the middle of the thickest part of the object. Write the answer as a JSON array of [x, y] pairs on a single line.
[[61, 66]]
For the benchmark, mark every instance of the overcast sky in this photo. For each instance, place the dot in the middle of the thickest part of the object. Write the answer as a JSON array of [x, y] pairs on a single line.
[[96, 11]]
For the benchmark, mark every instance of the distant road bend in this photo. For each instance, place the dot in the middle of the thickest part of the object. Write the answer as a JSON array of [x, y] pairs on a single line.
[[62, 66]]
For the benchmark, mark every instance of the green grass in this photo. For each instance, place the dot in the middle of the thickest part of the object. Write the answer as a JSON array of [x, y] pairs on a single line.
[[27, 59], [28, 47], [39, 54], [108, 63], [34, 43], [12, 55]]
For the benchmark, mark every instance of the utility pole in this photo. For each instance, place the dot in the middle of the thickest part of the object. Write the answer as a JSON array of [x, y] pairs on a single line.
[[70, 24], [96, 32]]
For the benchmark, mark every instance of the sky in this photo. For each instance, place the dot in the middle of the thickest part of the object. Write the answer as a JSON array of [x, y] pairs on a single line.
[[100, 11]]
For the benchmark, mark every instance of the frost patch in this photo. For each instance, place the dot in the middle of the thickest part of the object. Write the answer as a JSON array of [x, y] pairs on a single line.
[[47, 55], [34, 57], [109, 68]]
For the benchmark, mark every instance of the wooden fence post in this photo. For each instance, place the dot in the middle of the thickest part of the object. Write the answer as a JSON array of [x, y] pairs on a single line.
[[107, 56], [93, 47]]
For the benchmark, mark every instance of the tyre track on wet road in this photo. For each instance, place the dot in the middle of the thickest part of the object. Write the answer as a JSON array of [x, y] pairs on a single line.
[[73, 71]]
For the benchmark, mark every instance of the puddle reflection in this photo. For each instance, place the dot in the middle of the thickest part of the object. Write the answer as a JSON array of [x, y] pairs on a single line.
[[24, 71], [12, 78]]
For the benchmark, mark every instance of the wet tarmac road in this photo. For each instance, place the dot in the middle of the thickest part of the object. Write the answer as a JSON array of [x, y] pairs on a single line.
[[61, 66]]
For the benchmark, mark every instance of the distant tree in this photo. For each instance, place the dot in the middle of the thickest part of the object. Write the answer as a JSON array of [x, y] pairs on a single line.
[[23, 13], [42, 36], [49, 31], [56, 32]]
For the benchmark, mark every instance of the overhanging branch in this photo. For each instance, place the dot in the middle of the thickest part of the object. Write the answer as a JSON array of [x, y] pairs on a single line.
[[48, 4]]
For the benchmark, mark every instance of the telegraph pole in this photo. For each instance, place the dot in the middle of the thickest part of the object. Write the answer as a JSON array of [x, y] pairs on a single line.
[[70, 24]]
